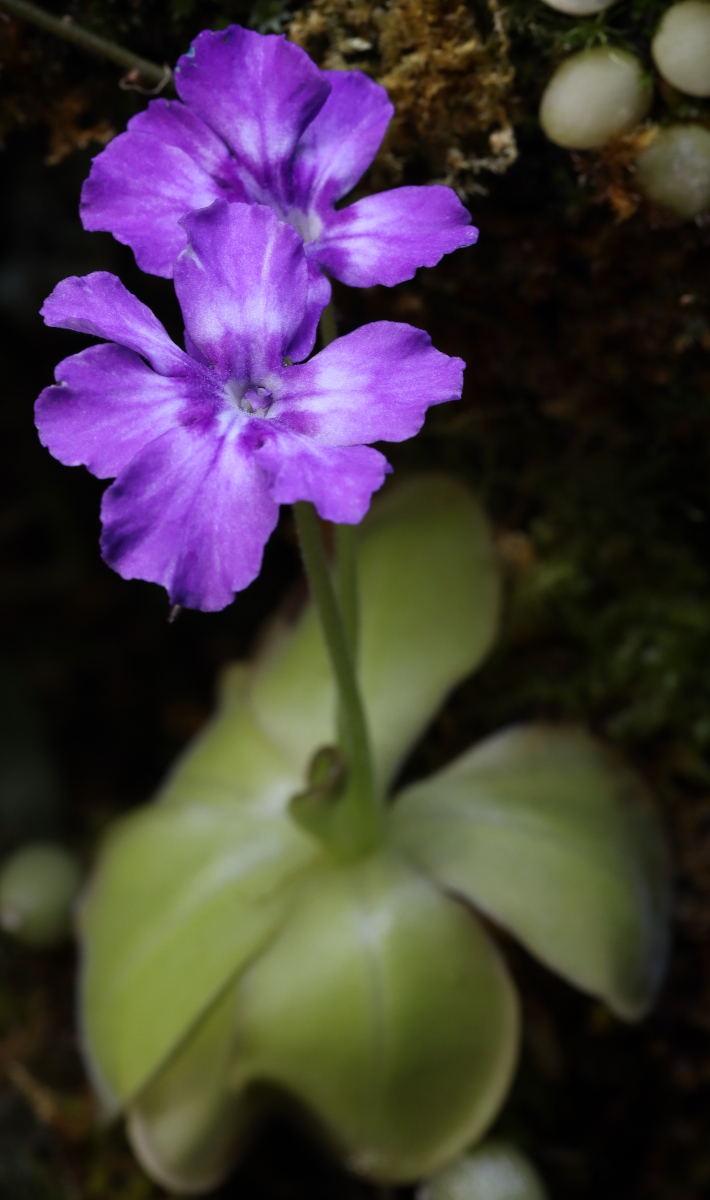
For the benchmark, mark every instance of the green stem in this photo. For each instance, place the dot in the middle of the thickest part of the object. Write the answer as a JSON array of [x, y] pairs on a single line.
[[360, 805], [346, 579], [71, 32], [345, 535]]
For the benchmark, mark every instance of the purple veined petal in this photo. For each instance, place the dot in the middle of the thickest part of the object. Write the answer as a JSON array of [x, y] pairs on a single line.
[[341, 141], [242, 283], [372, 385], [191, 512], [107, 405], [319, 293], [191, 349], [338, 480], [177, 125], [384, 238], [100, 305], [141, 185], [258, 93]]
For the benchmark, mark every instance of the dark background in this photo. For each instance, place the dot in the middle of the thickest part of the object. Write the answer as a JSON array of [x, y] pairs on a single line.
[[585, 426]]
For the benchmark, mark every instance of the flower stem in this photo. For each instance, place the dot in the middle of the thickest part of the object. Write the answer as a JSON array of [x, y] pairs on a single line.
[[346, 578], [345, 535], [140, 68], [360, 805]]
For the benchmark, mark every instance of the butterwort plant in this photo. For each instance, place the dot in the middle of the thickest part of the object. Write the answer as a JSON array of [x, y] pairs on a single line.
[[241, 947], [277, 925]]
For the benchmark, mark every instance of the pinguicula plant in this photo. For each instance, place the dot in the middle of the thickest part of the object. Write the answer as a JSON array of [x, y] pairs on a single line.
[[282, 923], [248, 936]]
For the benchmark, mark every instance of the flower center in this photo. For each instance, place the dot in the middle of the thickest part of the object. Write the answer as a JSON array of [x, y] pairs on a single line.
[[250, 399], [255, 400], [309, 225]]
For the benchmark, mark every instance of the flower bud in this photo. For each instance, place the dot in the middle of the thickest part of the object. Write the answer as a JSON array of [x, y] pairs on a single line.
[[494, 1171], [38, 885], [579, 8], [681, 47], [674, 171], [593, 96]]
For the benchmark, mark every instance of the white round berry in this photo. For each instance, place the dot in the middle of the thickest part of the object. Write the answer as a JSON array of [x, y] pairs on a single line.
[[593, 96], [681, 47], [674, 171], [579, 8]]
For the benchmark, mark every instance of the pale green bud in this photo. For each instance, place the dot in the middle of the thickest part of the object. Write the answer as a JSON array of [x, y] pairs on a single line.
[[38, 885], [681, 47], [593, 96], [494, 1171], [674, 171]]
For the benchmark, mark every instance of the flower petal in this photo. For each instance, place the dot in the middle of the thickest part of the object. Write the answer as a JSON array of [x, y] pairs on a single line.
[[106, 406], [342, 140], [374, 384], [190, 512], [259, 94], [339, 481], [242, 283], [100, 305], [176, 124], [384, 238], [165, 164], [319, 293]]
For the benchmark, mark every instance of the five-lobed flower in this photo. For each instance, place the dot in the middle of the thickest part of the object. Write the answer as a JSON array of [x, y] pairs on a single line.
[[205, 444], [260, 123]]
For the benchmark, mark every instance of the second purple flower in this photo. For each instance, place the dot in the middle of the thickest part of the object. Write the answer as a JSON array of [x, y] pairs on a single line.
[[260, 123]]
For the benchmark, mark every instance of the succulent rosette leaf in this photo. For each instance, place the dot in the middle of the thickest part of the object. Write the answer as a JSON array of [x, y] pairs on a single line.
[[228, 954], [552, 837]]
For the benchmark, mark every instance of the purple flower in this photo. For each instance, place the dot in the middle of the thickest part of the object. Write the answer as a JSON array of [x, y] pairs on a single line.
[[205, 445], [261, 123]]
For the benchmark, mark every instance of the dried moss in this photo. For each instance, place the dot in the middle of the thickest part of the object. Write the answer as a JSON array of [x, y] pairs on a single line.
[[449, 77]]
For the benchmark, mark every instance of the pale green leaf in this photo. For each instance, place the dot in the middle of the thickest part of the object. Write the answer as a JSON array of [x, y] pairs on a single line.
[[232, 761], [182, 899], [429, 601], [550, 835], [186, 1126], [383, 1007]]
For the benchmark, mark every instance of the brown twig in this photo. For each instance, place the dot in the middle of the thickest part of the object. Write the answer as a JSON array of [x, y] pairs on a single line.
[[138, 68]]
